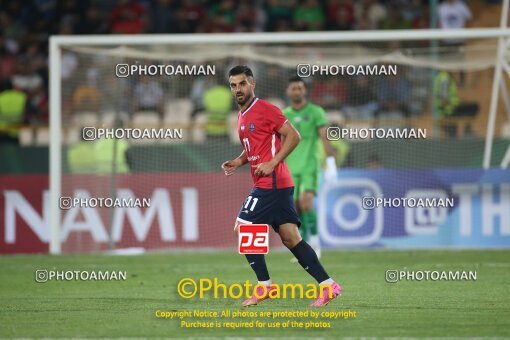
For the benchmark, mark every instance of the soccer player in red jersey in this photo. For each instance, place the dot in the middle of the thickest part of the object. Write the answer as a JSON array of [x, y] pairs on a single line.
[[261, 127]]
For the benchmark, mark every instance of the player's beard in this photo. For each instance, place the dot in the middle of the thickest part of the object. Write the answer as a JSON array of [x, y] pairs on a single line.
[[241, 100]]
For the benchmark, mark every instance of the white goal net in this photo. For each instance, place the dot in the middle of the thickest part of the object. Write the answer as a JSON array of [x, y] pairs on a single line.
[[146, 84]]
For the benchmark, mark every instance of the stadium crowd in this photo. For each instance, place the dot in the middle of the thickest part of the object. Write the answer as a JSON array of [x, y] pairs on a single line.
[[27, 25]]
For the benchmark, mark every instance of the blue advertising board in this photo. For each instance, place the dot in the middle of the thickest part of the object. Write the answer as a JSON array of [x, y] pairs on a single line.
[[478, 216]]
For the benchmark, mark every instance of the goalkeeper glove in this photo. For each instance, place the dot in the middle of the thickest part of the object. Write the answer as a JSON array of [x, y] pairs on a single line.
[[331, 172]]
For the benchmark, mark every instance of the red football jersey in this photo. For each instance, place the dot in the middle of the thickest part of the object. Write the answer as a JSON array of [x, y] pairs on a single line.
[[258, 127]]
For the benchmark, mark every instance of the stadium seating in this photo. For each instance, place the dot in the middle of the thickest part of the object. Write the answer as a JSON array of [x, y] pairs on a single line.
[[42, 136], [85, 118], [178, 111], [146, 119], [26, 136], [199, 135]]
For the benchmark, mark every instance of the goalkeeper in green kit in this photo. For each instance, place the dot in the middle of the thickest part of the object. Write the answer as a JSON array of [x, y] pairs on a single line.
[[304, 162]]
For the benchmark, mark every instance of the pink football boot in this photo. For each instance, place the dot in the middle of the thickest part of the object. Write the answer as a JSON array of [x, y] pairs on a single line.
[[259, 295], [327, 295]]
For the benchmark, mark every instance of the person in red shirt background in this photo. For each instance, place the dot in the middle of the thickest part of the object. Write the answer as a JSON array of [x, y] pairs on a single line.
[[128, 17]]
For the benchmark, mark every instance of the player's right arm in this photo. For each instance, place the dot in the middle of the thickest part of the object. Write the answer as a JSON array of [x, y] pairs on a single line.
[[230, 166]]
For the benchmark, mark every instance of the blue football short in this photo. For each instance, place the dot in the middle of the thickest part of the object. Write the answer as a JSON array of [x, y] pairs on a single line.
[[269, 206]]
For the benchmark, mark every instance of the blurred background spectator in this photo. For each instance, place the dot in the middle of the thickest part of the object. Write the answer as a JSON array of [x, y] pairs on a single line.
[[280, 14], [309, 16], [148, 95], [13, 104], [128, 17], [99, 157], [221, 17], [218, 103], [370, 10], [393, 94], [361, 100], [26, 78], [329, 92], [454, 14], [340, 14], [94, 22], [87, 96], [448, 104], [395, 20]]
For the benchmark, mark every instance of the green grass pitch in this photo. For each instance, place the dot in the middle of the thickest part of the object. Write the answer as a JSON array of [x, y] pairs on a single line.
[[478, 308]]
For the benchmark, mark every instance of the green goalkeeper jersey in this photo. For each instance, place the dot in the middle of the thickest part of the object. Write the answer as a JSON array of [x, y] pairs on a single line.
[[305, 159]]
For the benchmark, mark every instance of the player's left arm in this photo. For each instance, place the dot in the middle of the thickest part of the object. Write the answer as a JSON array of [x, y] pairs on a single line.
[[321, 121], [331, 170], [290, 139], [330, 150]]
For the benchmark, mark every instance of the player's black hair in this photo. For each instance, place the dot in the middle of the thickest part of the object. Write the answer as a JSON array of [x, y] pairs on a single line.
[[296, 79], [240, 69]]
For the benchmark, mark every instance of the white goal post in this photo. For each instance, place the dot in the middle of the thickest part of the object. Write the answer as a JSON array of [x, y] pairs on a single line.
[[57, 42]]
